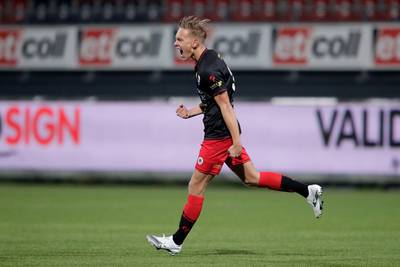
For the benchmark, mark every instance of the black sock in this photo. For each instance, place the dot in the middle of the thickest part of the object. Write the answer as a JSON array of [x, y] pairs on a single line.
[[291, 185], [185, 225]]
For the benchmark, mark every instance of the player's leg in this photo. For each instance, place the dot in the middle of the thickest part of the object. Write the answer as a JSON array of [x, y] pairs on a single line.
[[191, 211], [272, 180], [245, 170], [211, 158]]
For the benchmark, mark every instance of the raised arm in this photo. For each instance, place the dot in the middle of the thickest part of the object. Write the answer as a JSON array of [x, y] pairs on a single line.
[[185, 113], [231, 122]]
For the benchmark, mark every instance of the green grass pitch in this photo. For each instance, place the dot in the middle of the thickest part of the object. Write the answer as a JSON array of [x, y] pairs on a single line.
[[67, 225]]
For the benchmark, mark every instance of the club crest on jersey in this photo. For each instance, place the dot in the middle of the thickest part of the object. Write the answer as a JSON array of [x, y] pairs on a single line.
[[212, 78], [200, 161]]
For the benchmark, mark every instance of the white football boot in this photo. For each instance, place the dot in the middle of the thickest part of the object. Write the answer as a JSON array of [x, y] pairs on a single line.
[[315, 199], [164, 242]]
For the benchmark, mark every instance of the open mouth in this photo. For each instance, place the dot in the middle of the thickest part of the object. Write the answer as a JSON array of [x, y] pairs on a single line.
[[180, 51]]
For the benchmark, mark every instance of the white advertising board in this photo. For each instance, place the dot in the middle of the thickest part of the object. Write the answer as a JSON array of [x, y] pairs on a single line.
[[251, 46], [323, 47]]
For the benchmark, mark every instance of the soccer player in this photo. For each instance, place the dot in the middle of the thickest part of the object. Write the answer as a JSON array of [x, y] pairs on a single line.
[[216, 88]]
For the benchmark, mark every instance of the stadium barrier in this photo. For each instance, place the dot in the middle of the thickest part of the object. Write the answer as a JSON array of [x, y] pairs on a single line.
[[252, 46], [352, 139]]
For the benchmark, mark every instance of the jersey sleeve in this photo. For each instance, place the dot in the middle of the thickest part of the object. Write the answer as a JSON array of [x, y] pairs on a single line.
[[214, 82]]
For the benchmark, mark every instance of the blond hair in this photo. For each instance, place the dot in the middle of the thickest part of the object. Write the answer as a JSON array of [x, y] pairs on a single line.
[[198, 26]]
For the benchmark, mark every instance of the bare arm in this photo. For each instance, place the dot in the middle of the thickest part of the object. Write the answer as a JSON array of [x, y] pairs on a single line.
[[185, 113], [231, 122]]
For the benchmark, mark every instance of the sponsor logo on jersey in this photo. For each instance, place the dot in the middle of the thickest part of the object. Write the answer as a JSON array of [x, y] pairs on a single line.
[[216, 85]]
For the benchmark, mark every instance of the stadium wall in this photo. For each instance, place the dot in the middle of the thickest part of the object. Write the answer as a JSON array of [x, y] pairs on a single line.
[[346, 141]]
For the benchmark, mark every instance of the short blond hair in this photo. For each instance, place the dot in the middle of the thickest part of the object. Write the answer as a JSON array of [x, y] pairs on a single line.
[[198, 26]]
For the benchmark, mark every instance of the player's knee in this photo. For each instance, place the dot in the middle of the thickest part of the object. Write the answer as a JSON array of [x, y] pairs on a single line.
[[193, 184], [196, 187], [251, 179]]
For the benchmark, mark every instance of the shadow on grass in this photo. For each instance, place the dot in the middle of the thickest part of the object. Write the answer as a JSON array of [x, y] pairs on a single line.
[[225, 252]]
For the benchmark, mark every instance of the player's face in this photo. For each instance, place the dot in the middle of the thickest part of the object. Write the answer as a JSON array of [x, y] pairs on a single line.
[[185, 43]]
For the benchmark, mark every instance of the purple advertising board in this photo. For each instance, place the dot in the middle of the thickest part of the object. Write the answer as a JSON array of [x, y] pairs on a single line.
[[147, 136]]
